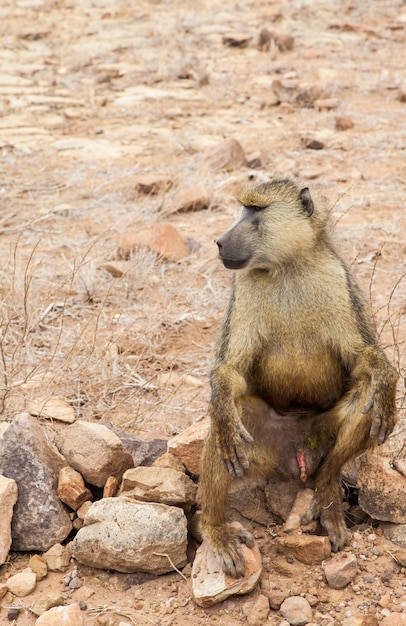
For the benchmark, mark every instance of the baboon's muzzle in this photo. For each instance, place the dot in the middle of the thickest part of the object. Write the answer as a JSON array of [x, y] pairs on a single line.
[[233, 250]]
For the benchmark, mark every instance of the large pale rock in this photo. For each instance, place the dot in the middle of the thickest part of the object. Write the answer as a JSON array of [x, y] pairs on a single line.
[[188, 445], [94, 451], [70, 615], [161, 237], [8, 498], [227, 155], [159, 484], [297, 611], [301, 510], [211, 585], [308, 549], [192, 199], [340, 570], [127, 536], [22, 584], [52, 407], [382, 489], [72, 489], [39, 518]]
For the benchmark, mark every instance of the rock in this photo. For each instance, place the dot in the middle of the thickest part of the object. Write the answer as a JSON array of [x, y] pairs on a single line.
[[300, 510], [247, 497], [46, 602], [169, 460], [308, 94], [395, 533], [227, 155], [39, 518], [285, 90], [297, 611], [277, 597], [192, 199], [8, 498], [81, 512], [257, 610], [22, 584], [381, 489], [53, 408], [127, 536], [283, 40], [254, 159], [308, 549], [151, 184], [211, 585], [143, 452], [94, 451], [394, 619], [72, 489], [326, 104], [13, 613], [57, 558], [3, 590], [402, 93], [343, 123], [340, 570], [62, 616], [39, 566], [281, 496], [239, 40], [159, 484], [188, 445], [110, 487], [160, 237], [311, 143]]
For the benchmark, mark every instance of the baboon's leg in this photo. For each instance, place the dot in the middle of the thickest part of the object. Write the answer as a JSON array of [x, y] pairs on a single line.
[[365, 416], [213, 491]]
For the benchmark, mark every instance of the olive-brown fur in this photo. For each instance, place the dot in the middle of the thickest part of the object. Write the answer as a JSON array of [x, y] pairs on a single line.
[[297, 368]]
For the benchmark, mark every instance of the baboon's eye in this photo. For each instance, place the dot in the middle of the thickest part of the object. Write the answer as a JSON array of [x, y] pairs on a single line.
[[256, 209]]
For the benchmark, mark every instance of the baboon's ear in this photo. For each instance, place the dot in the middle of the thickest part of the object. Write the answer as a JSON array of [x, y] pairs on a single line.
[[307, 202]]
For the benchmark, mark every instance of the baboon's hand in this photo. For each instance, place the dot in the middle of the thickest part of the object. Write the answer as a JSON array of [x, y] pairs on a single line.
[[231, 444], [383, 415]]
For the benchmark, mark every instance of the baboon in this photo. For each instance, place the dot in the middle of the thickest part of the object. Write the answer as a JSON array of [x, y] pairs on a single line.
[[299, 384]]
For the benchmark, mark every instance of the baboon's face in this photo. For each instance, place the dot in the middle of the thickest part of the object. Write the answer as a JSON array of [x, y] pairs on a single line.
[[274, 227]]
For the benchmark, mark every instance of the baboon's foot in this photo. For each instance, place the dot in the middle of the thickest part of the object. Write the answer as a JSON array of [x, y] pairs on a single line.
[[226, 542], [332, 520]]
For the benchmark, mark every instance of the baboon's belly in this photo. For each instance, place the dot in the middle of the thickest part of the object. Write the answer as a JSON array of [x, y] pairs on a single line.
[[293, 379]]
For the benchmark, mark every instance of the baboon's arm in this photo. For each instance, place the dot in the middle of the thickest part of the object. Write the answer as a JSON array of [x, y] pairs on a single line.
[[372, 369], [228, 385]]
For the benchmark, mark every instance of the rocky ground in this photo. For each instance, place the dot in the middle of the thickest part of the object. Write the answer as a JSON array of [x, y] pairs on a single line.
[[94, 97]]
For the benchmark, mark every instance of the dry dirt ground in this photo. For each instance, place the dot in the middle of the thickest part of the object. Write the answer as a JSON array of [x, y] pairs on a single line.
[[96, 93]]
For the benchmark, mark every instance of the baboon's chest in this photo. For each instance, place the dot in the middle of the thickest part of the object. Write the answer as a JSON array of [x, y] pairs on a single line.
[[304, 372]]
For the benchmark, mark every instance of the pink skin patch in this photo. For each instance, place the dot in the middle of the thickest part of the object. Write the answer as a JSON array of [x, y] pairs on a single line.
[[301, 461]]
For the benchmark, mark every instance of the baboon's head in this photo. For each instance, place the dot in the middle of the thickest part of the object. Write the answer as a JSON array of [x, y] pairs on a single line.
[[279, 223]]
